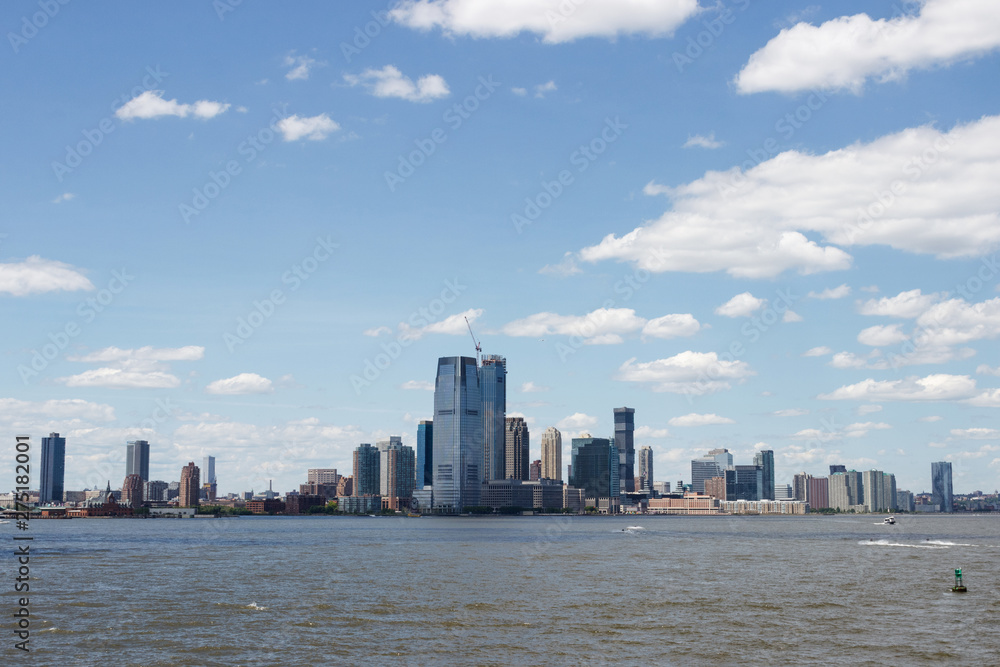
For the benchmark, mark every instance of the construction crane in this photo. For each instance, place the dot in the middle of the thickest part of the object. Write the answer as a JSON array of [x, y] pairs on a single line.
[[479, 348]]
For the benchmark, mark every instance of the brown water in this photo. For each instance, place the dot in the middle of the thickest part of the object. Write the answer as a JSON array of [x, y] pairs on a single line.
[[532, 590]]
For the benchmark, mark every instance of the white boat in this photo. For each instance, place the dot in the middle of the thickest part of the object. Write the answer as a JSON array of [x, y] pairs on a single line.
[[889, 521]]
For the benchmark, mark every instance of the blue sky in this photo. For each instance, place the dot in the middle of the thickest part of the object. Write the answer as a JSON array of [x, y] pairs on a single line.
[[760, 226]]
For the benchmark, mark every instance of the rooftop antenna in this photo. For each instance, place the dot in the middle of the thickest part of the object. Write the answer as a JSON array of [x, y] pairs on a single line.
[[479, 348]]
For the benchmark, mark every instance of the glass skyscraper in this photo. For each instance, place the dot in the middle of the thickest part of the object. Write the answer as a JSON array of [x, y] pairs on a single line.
[[765, 459], [51, 484], [493, 389], [367, 470], [209, 468], [424, 469], [625, 442], [595, 467], [941, 486], [458, 440], [137, 459]]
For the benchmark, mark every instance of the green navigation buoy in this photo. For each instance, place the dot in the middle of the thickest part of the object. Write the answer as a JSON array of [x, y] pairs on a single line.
[[959, 587]]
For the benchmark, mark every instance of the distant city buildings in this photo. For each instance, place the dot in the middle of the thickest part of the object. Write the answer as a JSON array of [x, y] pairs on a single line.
[[516, 447], [552, 453], [155, 491], [53, 469], [137, 458]]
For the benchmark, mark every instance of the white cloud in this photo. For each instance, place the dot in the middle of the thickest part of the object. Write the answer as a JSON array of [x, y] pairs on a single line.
[[861, 429], [879, 336], [531, 388], [555, 20], [36, 275], [300, 67], [984, 369], [868, 409], [244, 383], [931, 418], [128, 368], [648, 432], [703, 141], [453, 325], [956, 321], [66, 409], [741, 305], [142, 355], [905, 304], [521, 92], [567, 267], [695, 419], [831, 293], [791, 316], [847, 51], [672, 326], [390, 82], [857, 430], [576, 421], [848, 360], [314, 128], [790, 412], [547, 87], [791, 211], [975, 433], [871, 289], [601, 326], [375, 332], [937, 387], [820, 351], [687, 372], [117, 378], [419, 385], [151, 104], [66, 196]]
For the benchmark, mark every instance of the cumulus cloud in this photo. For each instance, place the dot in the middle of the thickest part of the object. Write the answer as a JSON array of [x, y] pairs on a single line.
[[418, 385], [132, 368], [790, 412], [847, 51], [688, 372], [576, 421], [300, 66], [144, 355], [869, 409], [975, 433], [984, 369], [313, 128], [797, 211], [906, 305], [390, 82], [879, 336], [672, 326], [741, 305], [555, 21], [857, 430], [937, 387], [820, 351], [67, 409], [543, 88], [791, 316], [531, 388], [648, 432], [36, 276], [831, 293], [957, 321], [151, 104], [695, 419], [375, 332], [931, 418], [117, 378], [703, 141], [601, 326], [453, 325], [244, 383]]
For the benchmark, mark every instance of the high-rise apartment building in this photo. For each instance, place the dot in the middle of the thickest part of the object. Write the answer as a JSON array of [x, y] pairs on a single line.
[[137, 458], [424, 466], [535, 470], [625, 443], [367, 470], [493, 391], [706, 467], [645, 469], [845, 490], [516, 447], [396, 463], [552, 453], [941, 486], [190, 486], [836, 467], [322, 476], [595, 467], [458, 435], [818, 492], [52, 481], [155, 490], [873, 482], [132, 491], [765, 459]]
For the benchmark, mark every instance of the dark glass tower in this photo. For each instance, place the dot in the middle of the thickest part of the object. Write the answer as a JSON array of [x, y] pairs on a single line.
[[458, 440], [137, 459], [51, 484], [493, 388], [941, 486], [425, 454], [765, 459], [625, 442], [595, 467]]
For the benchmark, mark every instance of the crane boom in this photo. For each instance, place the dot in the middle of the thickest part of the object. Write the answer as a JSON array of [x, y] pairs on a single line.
[[479, 349]]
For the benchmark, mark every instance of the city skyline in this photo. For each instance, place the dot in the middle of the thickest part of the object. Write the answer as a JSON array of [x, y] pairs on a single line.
[[638, 209]]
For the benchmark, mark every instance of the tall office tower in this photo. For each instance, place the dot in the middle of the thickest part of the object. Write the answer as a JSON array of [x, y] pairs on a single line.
[[800, 486], [552, 453], [155, 491], [190, 486], [744, 482], [516, 447], [855, 487], [941, 486], [836, 467], [51, 483], [645, 469], [458, 435], [535, 470], [137, 459], [208, 467], [367, 477], [322, 476], [424, 466], [817, 492], [625, 442], [595, 467], [765, 459], [889, 491], [493, 390], [873, 482], [132, 491], [396, 462]]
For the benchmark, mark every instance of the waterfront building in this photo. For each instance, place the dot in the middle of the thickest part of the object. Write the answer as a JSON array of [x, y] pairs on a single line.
[[661, 487], [941, 486], [458, 439], [765, 459], [889, 491], [174, 490], [904, 501], [493, 393], [155, 491], [541, 495], [132, 491], [645, 469], [765, 506], [322, 476], [716, 487], [266, 506], [706, 467], [573, 499], [744, 482], [552, 453], [516, 448], [783, 492], [800, 486], [137, 458], [369, 504], [345, 487], [625, 443], [596, 465], [689, 503], [845, 490], [300, 503], [367, 474], [818, 492], [397, 464], [52, 480], [535, 470], [424, 464], [189, 485]]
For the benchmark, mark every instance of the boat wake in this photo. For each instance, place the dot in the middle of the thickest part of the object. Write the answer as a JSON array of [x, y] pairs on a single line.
[[887, 543]]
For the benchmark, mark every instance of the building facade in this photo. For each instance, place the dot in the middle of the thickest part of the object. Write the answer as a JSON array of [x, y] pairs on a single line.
[[765, 459], [424, 463], [744, 482], [941, 486], [132, 491], [190, 486], [52, 481], [625, 444], [645, 469], [596, 467], [516, 447], [367, 470], [493, 392], [818, 492], [552, 453], [458, 441], [137, 458], [322, 476], [535, 470], [397, 465]]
